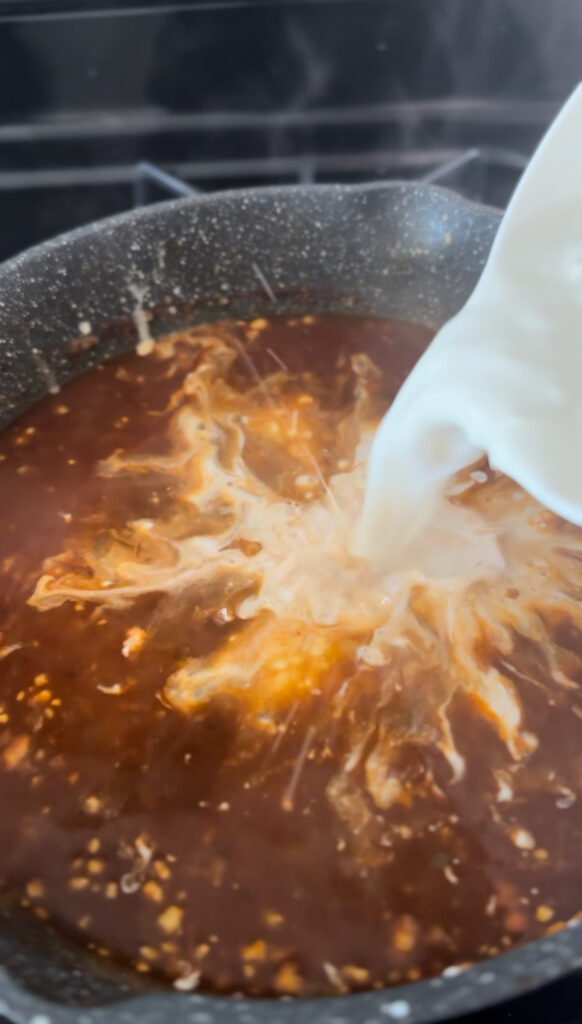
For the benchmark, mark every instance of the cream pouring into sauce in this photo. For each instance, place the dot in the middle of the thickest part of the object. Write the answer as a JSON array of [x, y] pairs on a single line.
[[503, 377]]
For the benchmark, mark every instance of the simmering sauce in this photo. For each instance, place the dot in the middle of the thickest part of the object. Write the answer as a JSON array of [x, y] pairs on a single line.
[[231, 754]]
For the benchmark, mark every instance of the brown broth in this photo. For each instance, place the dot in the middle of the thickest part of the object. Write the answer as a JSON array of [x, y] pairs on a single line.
[[211, 845]]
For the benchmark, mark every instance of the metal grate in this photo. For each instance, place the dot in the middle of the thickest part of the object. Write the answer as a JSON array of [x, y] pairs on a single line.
[[487, 174]]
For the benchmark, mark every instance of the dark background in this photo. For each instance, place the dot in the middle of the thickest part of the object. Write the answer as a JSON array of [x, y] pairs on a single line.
[[255, 91]]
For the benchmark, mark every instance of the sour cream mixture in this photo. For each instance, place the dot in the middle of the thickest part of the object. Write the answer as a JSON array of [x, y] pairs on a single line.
[[503, 377]]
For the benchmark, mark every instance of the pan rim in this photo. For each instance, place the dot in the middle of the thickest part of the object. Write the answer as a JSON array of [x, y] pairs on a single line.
[[135, 215]]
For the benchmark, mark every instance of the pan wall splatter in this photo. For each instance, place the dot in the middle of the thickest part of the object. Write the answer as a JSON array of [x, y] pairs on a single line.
[[407, 251], [399, 250]]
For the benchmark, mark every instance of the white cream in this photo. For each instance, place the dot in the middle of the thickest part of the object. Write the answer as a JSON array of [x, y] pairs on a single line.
[[504, 377]]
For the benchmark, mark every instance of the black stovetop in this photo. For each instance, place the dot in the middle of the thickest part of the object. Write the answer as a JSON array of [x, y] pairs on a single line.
[[225, 93]]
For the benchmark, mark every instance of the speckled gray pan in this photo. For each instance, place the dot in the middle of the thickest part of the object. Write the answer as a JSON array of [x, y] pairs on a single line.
[[405, 250]]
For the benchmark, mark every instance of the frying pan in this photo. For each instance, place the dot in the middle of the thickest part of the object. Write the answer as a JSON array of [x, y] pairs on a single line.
[[405, 250]]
